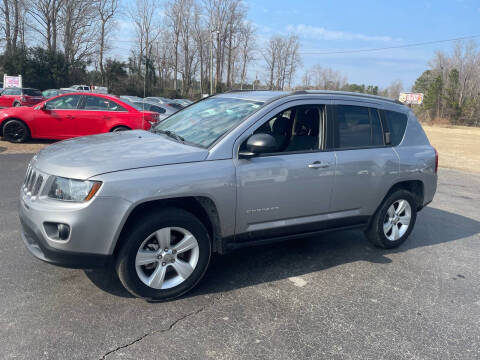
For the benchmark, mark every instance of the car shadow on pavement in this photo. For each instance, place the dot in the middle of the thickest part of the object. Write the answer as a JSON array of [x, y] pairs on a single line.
[[263, 264]]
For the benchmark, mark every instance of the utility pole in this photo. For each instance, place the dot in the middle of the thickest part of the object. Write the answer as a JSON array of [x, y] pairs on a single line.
[[211, 63]]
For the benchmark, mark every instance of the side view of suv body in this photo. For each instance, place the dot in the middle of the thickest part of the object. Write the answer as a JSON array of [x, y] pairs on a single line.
[[229, 171], [20, 97]]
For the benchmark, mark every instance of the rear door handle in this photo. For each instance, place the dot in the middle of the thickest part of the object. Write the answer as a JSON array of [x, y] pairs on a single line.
[[318, 165]]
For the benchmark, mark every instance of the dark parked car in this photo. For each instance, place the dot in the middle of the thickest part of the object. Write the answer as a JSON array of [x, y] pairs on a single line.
[[50, 93]]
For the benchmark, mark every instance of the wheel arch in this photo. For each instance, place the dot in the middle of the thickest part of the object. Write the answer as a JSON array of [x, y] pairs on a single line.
[[200, 206], [416, 187], [119, 125]]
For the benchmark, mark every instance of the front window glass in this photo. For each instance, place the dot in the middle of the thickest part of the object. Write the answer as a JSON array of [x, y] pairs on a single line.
[[12, 91], [297, 129], [67, 102], [206, 121]]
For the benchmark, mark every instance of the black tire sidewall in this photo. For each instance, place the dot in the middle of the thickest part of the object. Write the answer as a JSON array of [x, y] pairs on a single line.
[[23, 139], [125, 264], [120, 128], [397, 195]]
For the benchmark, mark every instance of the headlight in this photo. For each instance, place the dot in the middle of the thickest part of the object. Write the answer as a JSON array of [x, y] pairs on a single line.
[[73, 190]]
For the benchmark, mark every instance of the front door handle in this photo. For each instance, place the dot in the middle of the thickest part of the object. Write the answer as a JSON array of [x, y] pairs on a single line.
[[318, 165]]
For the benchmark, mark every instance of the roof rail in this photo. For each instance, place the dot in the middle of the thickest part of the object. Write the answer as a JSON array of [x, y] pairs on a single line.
[[243, 90], [347, 93]]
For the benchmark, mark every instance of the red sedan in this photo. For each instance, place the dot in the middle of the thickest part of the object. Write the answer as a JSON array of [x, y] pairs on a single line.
[[71, 115]]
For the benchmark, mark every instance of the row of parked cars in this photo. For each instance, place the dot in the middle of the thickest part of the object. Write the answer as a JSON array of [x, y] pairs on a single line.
[[65, 113]]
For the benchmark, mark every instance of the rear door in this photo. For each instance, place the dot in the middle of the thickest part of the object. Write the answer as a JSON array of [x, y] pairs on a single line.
[[56, 119], [98, 115], [366, 166]]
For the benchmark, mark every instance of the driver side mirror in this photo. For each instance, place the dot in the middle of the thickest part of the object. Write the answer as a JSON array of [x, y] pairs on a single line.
[[258, 144]]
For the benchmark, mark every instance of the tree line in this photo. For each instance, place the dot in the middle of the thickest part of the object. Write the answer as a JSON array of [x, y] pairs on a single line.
[[184, 47], [452, 86], [190, 47]]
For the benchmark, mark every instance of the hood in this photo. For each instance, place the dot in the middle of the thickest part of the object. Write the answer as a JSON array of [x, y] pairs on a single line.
[[84, 157]]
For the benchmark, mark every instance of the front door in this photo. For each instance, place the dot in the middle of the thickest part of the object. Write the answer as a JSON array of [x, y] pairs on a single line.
[[56, 119], [287, 191]]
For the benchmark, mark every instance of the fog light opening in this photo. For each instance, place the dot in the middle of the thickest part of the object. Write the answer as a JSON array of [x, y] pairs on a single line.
[[63, 231]]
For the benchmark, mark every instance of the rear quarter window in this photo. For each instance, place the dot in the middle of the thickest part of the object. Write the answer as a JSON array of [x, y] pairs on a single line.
[[397, 123]]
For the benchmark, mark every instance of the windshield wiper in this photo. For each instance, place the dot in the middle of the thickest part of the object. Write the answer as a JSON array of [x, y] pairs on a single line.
[[170, 134]]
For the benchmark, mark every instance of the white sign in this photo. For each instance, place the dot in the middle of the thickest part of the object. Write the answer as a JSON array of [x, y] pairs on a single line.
[[12, 81], [411, 98]]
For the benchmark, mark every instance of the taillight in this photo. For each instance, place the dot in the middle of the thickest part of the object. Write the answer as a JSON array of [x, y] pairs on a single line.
[[152, 118], [436, 160]]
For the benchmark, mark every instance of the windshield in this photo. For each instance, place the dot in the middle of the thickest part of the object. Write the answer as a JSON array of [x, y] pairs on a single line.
[[206, 121]]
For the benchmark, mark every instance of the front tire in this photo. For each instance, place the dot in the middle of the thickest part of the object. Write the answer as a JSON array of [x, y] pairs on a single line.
[[16, 104], [164, 255], [394, 220], [16, 131]]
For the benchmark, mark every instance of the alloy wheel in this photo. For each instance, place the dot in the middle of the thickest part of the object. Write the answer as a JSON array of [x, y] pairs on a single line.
[[167, 258], [14, 132], [397, 220]]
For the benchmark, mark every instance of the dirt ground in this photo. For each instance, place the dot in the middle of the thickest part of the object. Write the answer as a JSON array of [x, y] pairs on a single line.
[[458, 146]]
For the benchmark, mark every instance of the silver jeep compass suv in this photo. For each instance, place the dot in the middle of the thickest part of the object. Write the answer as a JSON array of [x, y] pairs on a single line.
[[229, 171]]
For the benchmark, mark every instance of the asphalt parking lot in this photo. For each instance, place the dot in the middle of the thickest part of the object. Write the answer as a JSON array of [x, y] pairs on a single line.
[[334, 297]]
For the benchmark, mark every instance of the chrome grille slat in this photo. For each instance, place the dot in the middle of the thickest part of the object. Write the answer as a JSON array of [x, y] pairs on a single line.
[[27, 176], [38, 185], [31, 181]]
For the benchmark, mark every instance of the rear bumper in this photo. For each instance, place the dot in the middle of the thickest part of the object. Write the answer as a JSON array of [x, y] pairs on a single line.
[[38, 247]]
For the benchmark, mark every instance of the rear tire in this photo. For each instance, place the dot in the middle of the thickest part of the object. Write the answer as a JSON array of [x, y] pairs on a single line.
[[164, 255], [16, 131], [120, 128], [394, 220], [16, 104]]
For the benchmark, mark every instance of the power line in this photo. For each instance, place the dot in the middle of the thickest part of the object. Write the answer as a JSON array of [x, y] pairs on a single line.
[[320, 52]]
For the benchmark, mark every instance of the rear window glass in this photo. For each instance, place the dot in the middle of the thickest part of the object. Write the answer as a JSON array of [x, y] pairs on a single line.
[[32, 92], [101, 104], [357, 126], [396, 122]]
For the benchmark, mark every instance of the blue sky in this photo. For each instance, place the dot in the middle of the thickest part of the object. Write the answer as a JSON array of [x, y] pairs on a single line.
[[363, 24], [327, 25]]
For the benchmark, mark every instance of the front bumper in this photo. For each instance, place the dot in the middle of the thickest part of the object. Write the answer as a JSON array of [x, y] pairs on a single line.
[[94, 228], [39, 248]]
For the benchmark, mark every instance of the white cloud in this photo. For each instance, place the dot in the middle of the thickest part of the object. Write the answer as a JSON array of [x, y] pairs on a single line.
[[309, 31]]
